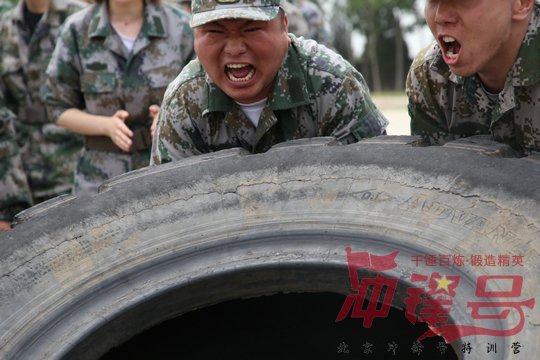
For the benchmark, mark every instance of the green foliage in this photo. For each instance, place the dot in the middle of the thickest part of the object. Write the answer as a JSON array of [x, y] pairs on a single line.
[[380, 21], [378, 12], [6, 5]]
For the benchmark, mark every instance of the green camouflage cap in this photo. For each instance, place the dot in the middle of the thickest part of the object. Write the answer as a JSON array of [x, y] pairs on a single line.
[[205, 11]]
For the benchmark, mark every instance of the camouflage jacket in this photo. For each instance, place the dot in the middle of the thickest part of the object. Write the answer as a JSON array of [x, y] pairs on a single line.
[[316, 93], [444, 106], [14, 192], [25, 57], [92, 70]]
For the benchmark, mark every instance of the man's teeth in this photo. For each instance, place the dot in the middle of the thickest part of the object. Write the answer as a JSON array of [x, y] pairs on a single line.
[[245, 78], [239, 66], [450, 43], [236, 66], [448, 39]]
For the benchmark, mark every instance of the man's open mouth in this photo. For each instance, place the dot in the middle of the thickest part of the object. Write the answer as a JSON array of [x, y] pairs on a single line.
[[451, 47], [239, 72]]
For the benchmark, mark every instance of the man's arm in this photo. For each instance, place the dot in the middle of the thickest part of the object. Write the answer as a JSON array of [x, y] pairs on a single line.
[[175, 135], [353, 114]]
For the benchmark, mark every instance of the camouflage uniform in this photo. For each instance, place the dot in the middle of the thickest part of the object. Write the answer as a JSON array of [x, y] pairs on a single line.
[[444, 106], [14, 192], [315, 93], [92, 70], [48, 152]]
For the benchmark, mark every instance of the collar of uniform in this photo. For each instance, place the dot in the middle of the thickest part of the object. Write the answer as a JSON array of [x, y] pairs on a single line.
[[99, 25], [49, 18], [468, 84], [152, 25], [57, 6], [18, 13], [215, 98], [438, 65], [289, 89]]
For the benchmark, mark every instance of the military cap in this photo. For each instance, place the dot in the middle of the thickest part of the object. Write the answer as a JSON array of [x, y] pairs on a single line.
[[205, 11]]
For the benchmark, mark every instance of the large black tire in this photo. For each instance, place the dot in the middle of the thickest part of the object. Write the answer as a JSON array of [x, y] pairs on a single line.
[[79, 276]]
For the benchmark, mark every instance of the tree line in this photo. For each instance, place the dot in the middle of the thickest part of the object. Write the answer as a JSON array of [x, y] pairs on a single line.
[[385, 60]]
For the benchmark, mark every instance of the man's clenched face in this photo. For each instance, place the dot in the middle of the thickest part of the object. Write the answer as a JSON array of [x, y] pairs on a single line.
[[242, 56]]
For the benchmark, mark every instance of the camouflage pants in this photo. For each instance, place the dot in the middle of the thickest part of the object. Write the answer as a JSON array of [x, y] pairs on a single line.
[[49, 155], [94, 167]]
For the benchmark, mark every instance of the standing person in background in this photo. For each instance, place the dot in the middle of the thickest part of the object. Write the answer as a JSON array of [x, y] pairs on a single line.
[[481, 75], [297, 23], [29, 32], [318, 27], [254, 85], [14, 191], [112, 64]]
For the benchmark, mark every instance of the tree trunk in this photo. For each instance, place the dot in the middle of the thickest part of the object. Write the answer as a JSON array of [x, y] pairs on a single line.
[[399, 72], [373, 55]]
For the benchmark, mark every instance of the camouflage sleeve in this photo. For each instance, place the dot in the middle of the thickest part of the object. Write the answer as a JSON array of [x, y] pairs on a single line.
[[62, 87], [353, 115], [423, 88], [14, 191], [175, 136]]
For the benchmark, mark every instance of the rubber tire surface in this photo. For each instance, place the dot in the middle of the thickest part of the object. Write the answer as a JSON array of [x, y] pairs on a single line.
[[81, 275]]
